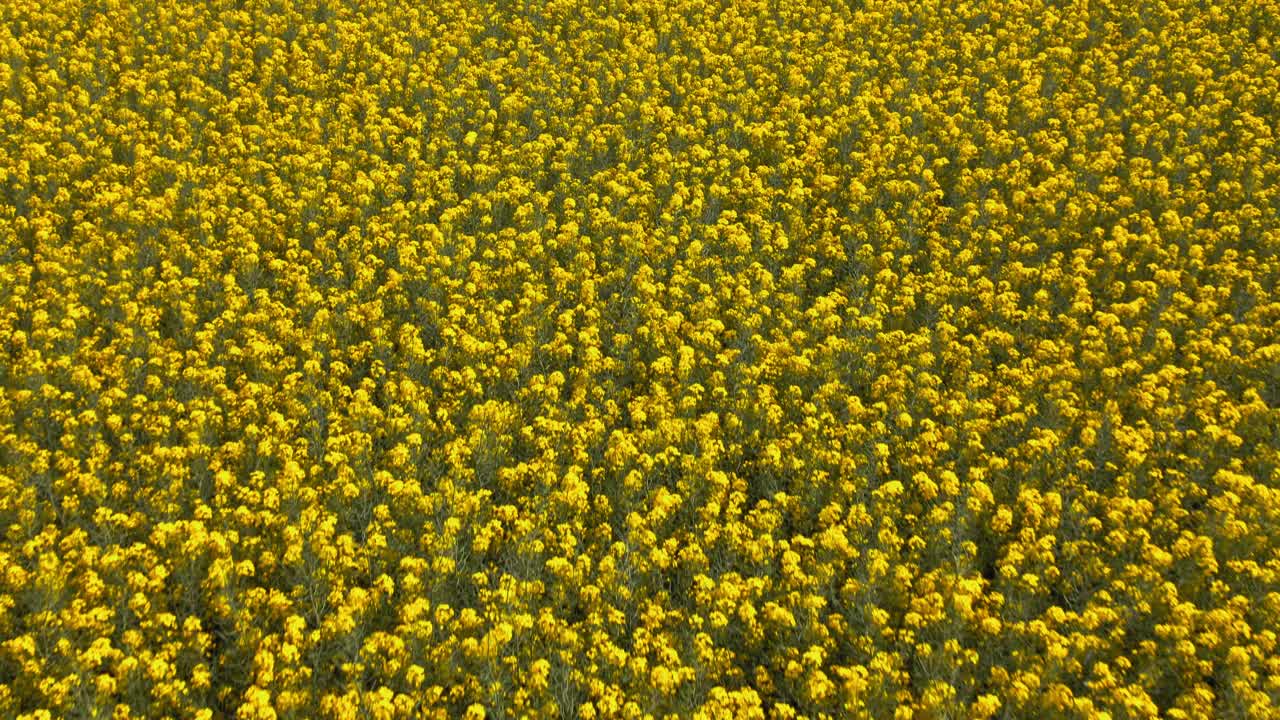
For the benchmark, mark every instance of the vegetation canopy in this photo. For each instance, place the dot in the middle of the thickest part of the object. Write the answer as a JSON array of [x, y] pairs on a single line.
[[641, 360]]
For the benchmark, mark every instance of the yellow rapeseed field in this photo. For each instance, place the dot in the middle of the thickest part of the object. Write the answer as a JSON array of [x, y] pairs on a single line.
[[643, 359]]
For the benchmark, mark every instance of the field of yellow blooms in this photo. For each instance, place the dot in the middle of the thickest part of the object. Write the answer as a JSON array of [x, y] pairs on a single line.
[[656, 359]]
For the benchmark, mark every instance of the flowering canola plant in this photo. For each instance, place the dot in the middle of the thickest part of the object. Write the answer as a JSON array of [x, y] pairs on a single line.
[[680, 359]]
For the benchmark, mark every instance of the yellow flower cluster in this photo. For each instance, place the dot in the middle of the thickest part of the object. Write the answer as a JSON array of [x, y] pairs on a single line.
[[641, 360]]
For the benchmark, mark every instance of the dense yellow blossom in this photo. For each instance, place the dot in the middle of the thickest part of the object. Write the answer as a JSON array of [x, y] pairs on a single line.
[[689, 359]]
